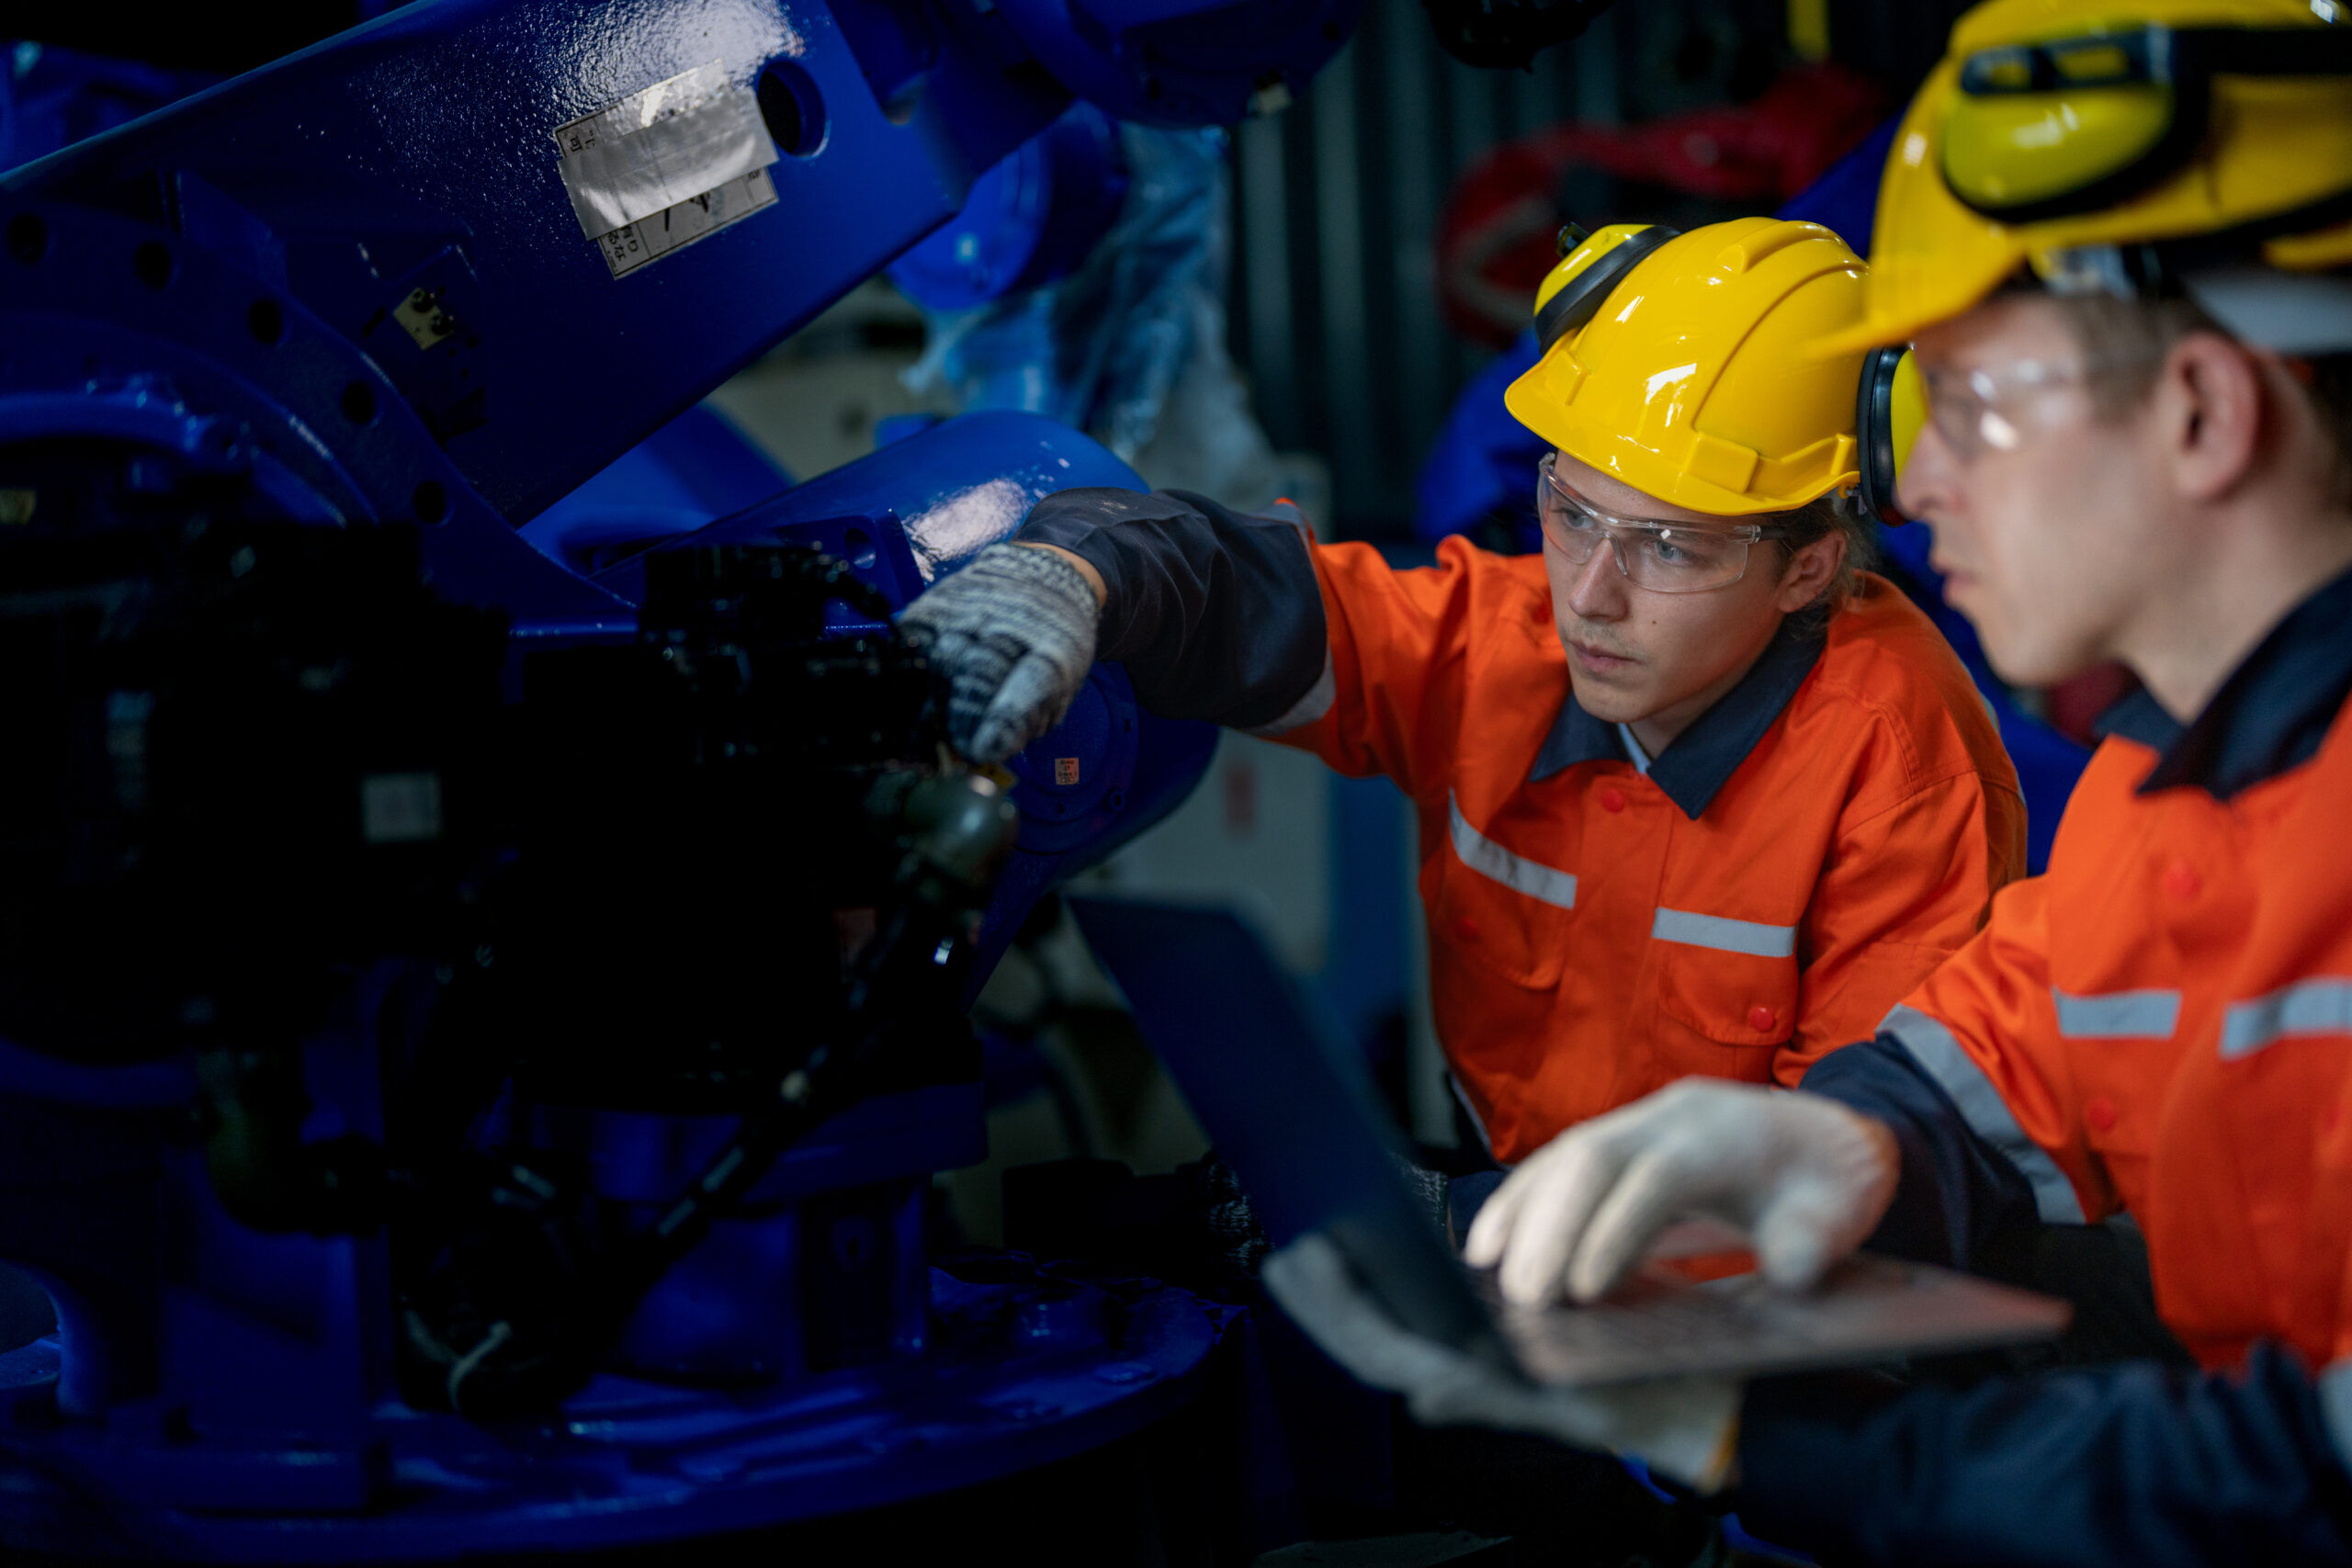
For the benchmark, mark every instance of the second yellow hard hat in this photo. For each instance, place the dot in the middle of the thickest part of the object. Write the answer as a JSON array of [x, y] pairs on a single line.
[[2058, 133], [1686, 365]]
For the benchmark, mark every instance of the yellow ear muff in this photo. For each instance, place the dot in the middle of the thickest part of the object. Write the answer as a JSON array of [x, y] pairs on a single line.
[[1577, 288], [1889, 409]]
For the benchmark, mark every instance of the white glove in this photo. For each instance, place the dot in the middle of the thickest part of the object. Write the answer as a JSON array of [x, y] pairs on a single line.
[[1804, 1176], [1683, 1427], [1014, 633]]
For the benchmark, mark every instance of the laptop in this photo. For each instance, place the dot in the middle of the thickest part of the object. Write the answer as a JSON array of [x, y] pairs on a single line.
[[1284, 1095]]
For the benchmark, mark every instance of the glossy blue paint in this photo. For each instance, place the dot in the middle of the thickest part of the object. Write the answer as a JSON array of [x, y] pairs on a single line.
[[214, 291], [924, 505], [1176, 64], [1028, 1368], [695, 468], [1027, 221]]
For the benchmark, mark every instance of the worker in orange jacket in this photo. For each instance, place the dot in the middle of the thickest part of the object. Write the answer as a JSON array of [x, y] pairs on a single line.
[[2118, 237], [1696, 794]]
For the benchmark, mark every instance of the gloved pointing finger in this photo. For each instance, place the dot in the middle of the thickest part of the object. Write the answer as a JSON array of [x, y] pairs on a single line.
[[1804, 1176], [1544, 1208], [1013, 634]]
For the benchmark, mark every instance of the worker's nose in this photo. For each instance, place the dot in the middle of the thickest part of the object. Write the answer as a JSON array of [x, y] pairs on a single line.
[[1597, 592]]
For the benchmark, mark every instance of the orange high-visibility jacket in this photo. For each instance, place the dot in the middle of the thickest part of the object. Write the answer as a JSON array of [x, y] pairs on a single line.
[[1804, 854], [1794, 863], [2162, 1023]]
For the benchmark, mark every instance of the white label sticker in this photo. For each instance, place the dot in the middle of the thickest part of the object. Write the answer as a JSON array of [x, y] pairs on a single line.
[[633, 246], [672, 144]]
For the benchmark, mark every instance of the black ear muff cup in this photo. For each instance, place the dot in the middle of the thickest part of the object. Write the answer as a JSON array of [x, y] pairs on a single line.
[[1580, 298], [1874, 433]]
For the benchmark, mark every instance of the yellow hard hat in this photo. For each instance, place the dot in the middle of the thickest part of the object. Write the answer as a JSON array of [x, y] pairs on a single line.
[[1680, 363], [2084, 137]]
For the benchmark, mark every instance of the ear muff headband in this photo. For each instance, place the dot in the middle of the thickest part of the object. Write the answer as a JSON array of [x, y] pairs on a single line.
[[1581, 298], [1889, 407]]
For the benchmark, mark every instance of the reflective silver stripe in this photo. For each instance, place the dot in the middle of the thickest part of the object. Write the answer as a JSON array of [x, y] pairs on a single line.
[[1933, 1047], [2117, 1015], [1309, 708], [2309, 1007], [1488, 858], [1724, 935]]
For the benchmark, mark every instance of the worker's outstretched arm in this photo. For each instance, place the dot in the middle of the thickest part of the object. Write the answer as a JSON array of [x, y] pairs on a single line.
[[1215, 614]]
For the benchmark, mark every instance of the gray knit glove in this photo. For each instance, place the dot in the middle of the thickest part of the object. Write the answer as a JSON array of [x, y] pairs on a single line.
[[1014, 633]]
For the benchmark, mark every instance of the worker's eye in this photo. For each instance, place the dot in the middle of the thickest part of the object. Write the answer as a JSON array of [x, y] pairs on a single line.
[[1685, 552], [1576, 519], [1668, 550]]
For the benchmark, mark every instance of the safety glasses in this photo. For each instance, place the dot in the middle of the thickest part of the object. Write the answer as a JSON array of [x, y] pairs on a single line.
[[1992, 408], [1665, 558], [2075, 124]]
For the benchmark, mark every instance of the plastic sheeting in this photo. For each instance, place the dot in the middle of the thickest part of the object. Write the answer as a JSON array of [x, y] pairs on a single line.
[[1129, 347]]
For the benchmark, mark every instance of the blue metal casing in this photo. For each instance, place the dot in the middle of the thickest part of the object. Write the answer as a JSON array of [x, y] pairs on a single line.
[[353, 288]]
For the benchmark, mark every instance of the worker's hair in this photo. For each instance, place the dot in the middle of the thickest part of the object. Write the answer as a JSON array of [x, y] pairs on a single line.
[[1836, 512], [2136, 334]]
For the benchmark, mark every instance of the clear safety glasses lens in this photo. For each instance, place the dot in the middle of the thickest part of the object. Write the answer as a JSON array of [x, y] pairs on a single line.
[[1975, 411], [1665, 558]]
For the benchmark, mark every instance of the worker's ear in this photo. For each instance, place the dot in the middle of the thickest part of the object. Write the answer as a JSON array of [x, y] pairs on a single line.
[[2207, 407], [1810, 571]]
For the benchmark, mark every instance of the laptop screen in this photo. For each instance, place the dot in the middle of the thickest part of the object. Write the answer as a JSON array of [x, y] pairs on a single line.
[[1284, 1096]]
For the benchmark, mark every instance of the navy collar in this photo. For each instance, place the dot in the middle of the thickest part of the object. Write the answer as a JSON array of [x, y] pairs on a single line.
[[2269, 715], [1696, 764]]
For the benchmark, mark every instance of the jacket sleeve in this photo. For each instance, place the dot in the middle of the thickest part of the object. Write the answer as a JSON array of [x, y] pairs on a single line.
[[1246, 621], [1906, 886], [1391, 697], [1956, 1190], [2124, 1463], [1969, 1073], [1215, 613]]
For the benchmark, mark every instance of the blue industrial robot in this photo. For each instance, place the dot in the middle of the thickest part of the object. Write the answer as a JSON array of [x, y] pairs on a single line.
[[477, 1023]]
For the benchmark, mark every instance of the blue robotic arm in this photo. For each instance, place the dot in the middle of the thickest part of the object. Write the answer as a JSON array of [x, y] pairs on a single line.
[[383, 245], [434, 274]]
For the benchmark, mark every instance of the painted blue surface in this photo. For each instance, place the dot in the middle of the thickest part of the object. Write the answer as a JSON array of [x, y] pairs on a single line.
[[921, 507], [52, 98], [693, 471], [203, 294], [1028, 220], [1029, 1368]]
